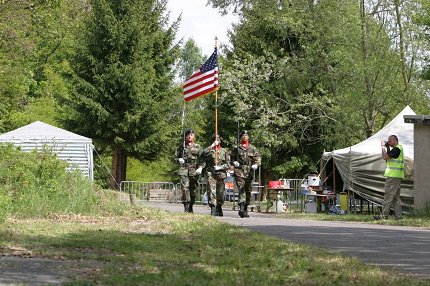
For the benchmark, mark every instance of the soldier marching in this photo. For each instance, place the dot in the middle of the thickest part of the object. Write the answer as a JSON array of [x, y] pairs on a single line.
[[217, 164], [216, 161], [188, 157]]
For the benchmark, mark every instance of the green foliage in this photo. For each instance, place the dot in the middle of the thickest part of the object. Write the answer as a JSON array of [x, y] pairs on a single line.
[[43, 109], [15, 49], [122, 79], [309, 76], [38, 184], [156, 171], [191, 58], [304, 76], [35, 45], [121, 76], [102, 166]]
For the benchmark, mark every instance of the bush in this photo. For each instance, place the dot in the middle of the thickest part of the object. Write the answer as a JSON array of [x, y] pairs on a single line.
[[37, 184]]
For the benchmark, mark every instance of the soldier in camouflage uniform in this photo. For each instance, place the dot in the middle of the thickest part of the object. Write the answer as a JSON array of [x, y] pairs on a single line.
[[246, 159], [188, 155], [216, 160]]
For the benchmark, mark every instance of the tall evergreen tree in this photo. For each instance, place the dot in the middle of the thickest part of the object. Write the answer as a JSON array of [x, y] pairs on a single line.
[[123, 79]]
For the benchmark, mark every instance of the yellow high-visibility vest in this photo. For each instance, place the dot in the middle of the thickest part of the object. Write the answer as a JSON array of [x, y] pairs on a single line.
[[395, 167]]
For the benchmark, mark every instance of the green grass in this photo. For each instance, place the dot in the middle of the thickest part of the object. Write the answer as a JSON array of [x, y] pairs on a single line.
[[37, 184], [152, 247]]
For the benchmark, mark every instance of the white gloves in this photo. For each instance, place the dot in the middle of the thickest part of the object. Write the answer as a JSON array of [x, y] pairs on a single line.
[[237, 164], [215, 144], [181, 161], [199, 171]]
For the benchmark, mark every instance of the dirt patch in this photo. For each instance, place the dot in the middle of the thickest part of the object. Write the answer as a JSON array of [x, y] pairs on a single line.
[[21, 270]]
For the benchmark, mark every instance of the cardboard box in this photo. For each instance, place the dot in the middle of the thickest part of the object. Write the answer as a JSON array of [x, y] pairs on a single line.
[[313, 180]]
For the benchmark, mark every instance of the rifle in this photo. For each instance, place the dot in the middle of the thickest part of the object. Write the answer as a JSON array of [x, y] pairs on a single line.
[[237, 142], [183, 145]]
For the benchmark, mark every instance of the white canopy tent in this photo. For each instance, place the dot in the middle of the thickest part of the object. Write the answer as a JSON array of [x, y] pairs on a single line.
[[361, 166], [75, 149]]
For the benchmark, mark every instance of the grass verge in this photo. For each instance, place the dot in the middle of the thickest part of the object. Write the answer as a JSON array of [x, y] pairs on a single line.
[[152, 247]]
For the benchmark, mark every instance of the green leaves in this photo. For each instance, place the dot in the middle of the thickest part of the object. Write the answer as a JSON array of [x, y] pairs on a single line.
[[121, 71], [309, 76], [37, 183]]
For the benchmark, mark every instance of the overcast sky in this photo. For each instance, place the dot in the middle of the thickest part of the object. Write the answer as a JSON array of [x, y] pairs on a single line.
[[201, 22]]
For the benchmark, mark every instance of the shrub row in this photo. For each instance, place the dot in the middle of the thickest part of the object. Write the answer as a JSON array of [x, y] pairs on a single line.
[[37, 183]]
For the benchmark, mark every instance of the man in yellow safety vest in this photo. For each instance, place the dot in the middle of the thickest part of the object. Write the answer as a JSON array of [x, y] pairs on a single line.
[[392, 152]]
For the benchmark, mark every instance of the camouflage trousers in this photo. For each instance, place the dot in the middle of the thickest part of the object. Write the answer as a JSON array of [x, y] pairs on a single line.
[[188, 188], [244, 185], [392, 198], [216, 189]]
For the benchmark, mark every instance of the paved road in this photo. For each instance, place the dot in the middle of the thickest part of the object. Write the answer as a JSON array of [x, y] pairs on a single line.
[[406, 249]]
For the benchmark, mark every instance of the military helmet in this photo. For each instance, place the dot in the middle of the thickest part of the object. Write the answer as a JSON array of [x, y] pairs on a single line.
[[189, 131]]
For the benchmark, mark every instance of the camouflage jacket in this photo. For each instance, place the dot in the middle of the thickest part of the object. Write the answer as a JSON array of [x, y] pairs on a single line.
[[191, 155], [246, 158], [207, 161]]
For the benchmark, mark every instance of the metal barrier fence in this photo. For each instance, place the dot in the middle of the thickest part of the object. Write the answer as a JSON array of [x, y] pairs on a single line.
[[150, 191], [295, 198], [170, 192]]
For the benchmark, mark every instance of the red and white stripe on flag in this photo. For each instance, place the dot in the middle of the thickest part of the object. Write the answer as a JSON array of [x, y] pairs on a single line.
[[204, 80], [199, 84]]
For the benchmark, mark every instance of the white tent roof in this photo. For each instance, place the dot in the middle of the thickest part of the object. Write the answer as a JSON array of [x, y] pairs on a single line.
[[361, 166], [41, 131], [397, 126], [75, 149]]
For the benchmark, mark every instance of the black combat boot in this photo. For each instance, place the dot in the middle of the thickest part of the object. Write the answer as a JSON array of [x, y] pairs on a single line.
[[186, 207], [242, 210], [213, 210], [245, 211], [190, 208], [219, 210]]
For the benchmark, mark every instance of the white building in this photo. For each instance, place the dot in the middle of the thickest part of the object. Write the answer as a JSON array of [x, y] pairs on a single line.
[[75, 149]]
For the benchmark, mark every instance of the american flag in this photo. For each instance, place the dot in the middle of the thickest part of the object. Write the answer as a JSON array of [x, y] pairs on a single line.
[[204, 80]]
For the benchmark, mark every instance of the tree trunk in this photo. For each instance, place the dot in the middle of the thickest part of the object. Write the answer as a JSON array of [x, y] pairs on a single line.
[[406, 74], [369, 113], [119, 167]]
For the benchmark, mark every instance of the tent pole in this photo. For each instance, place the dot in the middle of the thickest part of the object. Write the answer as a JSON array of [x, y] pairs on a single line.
[[334, 176], [349, 181]]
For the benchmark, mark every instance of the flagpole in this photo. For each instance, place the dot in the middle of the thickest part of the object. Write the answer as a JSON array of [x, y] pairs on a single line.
[[216, 114], [182, 124]]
